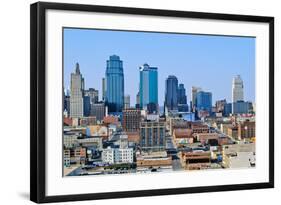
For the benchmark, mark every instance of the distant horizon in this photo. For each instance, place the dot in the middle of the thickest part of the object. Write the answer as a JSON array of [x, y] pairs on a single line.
[[205, 61]]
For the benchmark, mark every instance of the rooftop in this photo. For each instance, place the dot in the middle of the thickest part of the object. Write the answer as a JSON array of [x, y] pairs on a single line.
[[183, 133]]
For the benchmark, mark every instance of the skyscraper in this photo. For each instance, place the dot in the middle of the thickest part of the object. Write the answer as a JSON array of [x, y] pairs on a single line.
[[181, 94], [194, 91], [138, 100], [171, 93], [87, 105], [127, 102], [227, 109], [148, 85], [114, 84], [103, 89], [237, 89], [93, 94], [76, 93], [67, 101], [204, 101], [220, 104], [237, 93], [98, 110]]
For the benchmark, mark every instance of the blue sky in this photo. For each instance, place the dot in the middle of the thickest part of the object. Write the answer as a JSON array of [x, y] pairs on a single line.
[[207, 61]]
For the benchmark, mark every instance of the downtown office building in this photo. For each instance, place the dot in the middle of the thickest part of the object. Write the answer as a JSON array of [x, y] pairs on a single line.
[[148, 91], [114, 84], [76, 93]]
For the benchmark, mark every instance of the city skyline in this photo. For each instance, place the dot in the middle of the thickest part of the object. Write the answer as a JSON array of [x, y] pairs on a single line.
[[189, 77], [106, 132]]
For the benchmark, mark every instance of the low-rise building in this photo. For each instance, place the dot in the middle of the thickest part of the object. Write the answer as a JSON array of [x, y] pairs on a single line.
[[195, 160], [110, 119], [177, 122], [182, 136], [112, 129], [66, 157], [86, 121], [95, 142], [152, 135], [223, 126], [205, 137], [198, 127], [224, 141], [97, 130], [67, 121], [75, 121], [78, 155], [118, 155], [232, 131], [246, 130], [154, 159], [133, 137], [239, 155], [70, 140], [122, 141]]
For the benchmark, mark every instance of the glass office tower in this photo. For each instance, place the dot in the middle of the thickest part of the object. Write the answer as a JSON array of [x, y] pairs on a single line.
[[181, 94], [114, 84], [148, 86], [204, 101], [171, 93]]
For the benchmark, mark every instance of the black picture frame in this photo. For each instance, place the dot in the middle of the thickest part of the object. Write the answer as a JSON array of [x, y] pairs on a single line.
[[38, 101]]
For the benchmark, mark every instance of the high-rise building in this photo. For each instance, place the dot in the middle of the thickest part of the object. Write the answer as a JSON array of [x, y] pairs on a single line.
[[181, 94], [114, 84], [171, 93], [131, 120], [237, 89], [194, 91], [138, 100], [67, 102], [76, 93], [148, 90], [220, 104], [98, 110], [152, 135], [127, 102], [93, 94], [151, 108], [182, 107], [103, 89], [241, 107], [227, 109], [204, 101], [87, 105]]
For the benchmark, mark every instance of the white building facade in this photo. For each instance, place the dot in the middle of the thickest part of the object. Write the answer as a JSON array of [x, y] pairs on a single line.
[[237, 89], [118, 155]]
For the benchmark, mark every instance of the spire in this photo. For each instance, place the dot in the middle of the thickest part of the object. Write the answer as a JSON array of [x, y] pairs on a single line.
[[77, 69]]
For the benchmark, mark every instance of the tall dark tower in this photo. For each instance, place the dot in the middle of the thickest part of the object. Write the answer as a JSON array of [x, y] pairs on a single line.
[[171, 93], [181, 94]]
